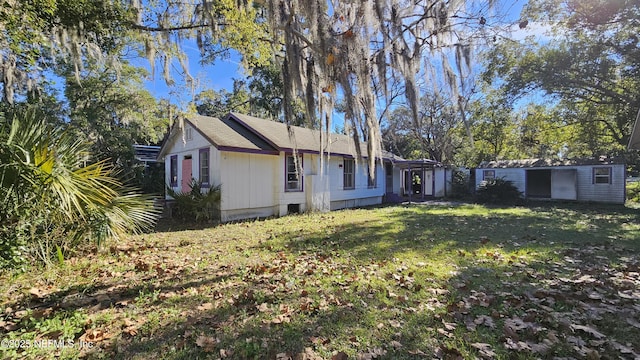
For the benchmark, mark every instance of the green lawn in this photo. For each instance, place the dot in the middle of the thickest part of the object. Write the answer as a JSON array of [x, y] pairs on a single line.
[[424, 281]]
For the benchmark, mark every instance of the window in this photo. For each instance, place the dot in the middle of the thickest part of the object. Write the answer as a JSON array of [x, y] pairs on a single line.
[[488, 174], [348, 176], [293, 177], [188, 134], [602, 175], [204, 167], [173, 181], [372, 181]]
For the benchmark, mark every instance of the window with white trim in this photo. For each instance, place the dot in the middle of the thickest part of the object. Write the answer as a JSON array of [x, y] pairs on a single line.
[[173, 171], [204, 167], [293, 176], [602, 175], [348, 176], [488, 174], [188, 134]]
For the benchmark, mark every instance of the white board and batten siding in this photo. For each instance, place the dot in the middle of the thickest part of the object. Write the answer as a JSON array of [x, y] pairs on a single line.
[[247, 185], [442, 181]]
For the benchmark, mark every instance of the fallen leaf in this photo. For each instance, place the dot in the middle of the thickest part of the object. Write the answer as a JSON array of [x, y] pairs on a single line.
[[449, 326], [484, 350], [516, 345], [371, 354], [94, 335], [205, 306], [485, 320], [36, 293], [540, 348], [224, 353], [340, 356], [623, 349], [633, 322], [207, 343], [588, 330]]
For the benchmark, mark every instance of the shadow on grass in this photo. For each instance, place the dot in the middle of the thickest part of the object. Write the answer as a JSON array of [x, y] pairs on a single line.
[[429, 230], [360, 315]]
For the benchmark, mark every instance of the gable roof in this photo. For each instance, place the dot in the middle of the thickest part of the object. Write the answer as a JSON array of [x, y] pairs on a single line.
[[303, 139], [227, 134], [244, 133], [537, 163], [224, 134]]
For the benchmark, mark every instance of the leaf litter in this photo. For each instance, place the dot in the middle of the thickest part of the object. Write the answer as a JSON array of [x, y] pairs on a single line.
[[497, 300]]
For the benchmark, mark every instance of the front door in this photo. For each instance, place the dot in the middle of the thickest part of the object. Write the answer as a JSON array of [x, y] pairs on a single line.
[[428, 183], [186, 175]]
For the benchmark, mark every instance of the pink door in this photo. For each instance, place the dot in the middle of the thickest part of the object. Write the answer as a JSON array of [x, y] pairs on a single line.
[[186, 175]]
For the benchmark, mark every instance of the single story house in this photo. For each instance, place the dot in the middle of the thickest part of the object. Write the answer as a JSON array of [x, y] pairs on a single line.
[[598, 180], [253, 161]]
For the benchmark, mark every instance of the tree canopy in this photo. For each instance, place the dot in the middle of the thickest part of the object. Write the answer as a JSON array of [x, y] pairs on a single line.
[[374, 57], [589, 67]]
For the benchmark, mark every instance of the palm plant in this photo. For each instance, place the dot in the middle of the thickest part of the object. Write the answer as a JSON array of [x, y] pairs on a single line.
[[52, 199], [196, 204]]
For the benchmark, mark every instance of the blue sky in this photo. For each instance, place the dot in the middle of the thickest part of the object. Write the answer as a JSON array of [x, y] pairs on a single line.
[[220, 75]]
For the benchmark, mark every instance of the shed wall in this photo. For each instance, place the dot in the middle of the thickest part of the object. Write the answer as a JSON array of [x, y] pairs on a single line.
[[611, 193], [586, 189]]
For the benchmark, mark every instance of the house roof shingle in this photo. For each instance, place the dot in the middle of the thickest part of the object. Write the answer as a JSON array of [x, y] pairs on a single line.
[[536, 163], [228, 134], [239, 132], [300, 138]]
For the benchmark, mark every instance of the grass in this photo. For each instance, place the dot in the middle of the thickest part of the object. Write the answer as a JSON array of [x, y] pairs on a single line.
[[420, 281]]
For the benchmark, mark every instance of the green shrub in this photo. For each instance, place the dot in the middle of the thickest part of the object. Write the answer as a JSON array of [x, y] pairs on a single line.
[[196, 204], [498, 191], [51, 200], [460, 185], [633, 192]]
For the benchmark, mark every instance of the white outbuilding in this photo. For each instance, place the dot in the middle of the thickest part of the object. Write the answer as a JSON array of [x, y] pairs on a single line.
[[598, 180]]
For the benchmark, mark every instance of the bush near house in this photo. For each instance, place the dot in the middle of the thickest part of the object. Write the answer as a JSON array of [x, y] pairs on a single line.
[[51, 200], [498, 191], [633, 192], [196, 204], [460, 186]]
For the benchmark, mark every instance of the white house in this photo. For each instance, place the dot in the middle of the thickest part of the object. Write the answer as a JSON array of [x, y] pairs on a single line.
[[253, 161], [598, 180]]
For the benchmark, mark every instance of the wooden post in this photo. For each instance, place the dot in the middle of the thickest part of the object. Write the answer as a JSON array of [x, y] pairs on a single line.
[[410, 184]]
